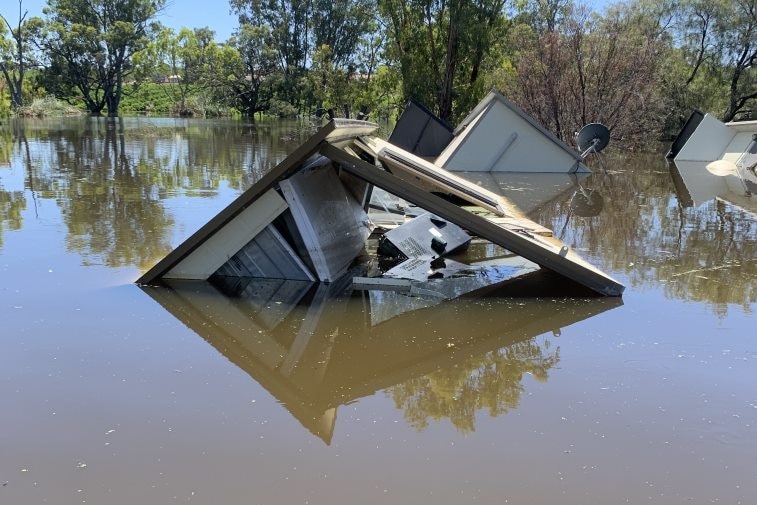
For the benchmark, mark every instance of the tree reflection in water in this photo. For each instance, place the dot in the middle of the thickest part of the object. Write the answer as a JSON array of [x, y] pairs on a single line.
[[112, 177], [493, 382], [317, 347], [12, 202], [656, 237]]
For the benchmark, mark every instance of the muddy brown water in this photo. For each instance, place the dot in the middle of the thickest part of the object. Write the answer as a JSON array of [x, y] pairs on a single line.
[[287, 393]]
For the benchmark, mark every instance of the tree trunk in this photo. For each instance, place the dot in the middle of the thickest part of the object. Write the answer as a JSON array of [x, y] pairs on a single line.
[[445, 94]]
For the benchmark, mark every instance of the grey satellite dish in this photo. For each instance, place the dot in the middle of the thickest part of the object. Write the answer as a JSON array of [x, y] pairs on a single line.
[[592, 138]]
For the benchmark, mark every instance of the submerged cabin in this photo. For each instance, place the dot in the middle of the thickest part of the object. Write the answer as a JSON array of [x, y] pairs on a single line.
[[307, 218], [705, 138]]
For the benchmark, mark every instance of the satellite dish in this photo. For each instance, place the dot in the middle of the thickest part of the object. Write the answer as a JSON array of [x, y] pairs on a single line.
[[722, 168], [592, 138], [746, 162]]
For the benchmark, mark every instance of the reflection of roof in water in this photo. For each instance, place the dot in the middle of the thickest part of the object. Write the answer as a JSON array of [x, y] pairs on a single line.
[[528, 191], [695, 185], [314, 346]]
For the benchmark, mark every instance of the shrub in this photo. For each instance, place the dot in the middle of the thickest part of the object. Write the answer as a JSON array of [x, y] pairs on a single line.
[[48, 106]]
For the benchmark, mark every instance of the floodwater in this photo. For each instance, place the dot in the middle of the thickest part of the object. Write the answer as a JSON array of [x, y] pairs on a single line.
[[271, 393]]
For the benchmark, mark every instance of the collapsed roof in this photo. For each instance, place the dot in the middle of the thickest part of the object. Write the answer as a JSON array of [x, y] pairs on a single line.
[[306, 219]]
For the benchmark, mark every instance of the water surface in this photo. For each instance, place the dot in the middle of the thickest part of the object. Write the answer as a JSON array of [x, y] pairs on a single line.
[[278, 393]]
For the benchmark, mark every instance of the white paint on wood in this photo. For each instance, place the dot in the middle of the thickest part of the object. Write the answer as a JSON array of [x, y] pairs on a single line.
[[384, 283], [413, 169], [528, 192], [743, 126], [229, 239]]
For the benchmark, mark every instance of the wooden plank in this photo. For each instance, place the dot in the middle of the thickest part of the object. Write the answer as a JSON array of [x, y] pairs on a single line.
[[335, 131], [381, 283], [211, 254], [414, 169], [544, 251]]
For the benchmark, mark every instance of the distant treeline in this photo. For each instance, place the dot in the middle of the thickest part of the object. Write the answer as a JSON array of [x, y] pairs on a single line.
[[639, 66]]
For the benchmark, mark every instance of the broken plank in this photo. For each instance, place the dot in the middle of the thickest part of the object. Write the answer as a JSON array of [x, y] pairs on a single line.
[[424, 174], [382, 283]]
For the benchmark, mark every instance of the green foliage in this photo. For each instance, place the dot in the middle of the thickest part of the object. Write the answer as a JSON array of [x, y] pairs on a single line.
[[160, 99], [295, 33], [91, 46], [715, 64], [282, 109], [182, 60], [340, 25], [574, 67], [640, 67], [442, 48], [15, 55], [244, 73], [148, 97], [5, 104]]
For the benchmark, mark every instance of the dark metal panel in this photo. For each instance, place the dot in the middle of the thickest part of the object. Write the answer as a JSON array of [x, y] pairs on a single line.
[[420, 132], [688, 128]]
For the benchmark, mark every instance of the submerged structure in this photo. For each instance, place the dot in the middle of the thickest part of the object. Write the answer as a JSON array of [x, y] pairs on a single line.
[[497, 136], [719, 156], [307, 219]]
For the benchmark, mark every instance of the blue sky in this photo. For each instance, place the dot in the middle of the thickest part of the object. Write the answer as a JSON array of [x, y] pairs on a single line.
[[180, 13]]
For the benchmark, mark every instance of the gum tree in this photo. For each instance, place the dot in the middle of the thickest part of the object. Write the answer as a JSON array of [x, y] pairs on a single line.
[[15, 56], [441, 47], [90, 45]]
